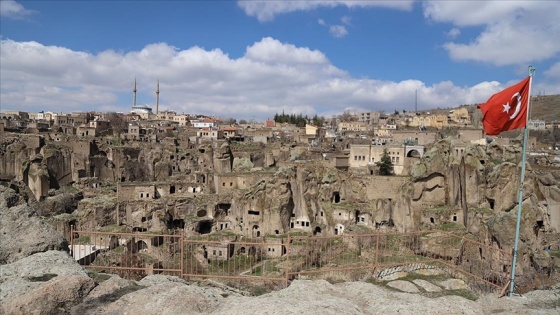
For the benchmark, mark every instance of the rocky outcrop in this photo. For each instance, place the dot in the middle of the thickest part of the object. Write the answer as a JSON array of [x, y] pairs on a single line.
[[23, 232], [43, 283], [479, 190], [321, 297], [155, 295]]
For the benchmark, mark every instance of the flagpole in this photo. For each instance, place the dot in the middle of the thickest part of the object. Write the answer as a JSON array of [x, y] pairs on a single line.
[[520, 201]]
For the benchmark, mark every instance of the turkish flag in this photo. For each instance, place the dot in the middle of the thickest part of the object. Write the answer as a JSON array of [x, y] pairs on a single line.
[[506, 110]]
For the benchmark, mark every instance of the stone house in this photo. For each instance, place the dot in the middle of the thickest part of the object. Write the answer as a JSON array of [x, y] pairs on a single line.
[[229, 131], [210, 134], [74, 119], [371, 118], [415, 137], [469, 134], [310, 130], [352, 126], [460, 116], [222, 251], [364, 155], [135, 191]]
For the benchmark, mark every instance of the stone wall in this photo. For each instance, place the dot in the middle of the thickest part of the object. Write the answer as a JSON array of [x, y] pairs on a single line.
[[417, 137], [385, 187]]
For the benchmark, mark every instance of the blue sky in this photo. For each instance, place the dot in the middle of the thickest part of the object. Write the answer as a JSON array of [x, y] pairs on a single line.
[[251, 59]]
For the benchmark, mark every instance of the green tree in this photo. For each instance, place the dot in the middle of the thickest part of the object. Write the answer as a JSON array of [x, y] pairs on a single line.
[[385, 165]]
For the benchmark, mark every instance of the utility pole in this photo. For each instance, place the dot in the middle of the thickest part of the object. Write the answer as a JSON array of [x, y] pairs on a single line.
[[416, 101]]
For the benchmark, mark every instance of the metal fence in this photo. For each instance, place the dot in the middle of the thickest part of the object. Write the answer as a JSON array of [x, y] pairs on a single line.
[[131, 255], [280, 259]]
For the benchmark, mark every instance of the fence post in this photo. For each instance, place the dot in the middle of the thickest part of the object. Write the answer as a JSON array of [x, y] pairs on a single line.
[[287, 270], [376, 252], [182, 243], [72, 241]]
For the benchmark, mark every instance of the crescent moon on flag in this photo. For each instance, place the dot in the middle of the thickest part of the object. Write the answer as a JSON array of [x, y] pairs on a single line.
[[517, 107]]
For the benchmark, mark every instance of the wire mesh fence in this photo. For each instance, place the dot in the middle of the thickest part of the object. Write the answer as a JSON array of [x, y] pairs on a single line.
[[130, 255], [234, 259], [280, 259]]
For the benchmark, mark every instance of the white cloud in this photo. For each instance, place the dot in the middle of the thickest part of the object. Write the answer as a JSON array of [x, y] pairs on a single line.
[[514, 32], [554, 71], [346, 20], [338, 31], [270, 50], [266, 10], [13, 10], [270, 77], [453, 33]]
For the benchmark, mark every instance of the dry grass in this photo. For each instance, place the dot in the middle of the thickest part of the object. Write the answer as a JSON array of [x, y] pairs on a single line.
[[545, 107]]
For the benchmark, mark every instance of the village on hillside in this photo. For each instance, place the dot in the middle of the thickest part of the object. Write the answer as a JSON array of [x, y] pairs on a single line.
[[119, 186]]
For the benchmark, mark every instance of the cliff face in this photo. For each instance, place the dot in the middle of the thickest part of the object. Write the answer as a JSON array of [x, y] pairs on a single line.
[[473, 190], [71, 161], [481, 186]]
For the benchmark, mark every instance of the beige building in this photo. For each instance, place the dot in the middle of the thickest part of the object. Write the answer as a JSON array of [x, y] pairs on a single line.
[[415, 137], [310, 130], [183, 120], [369, 117], [74, 119], [460, 116], [363, 155], [93, 128], [345, 126], [211, 134], [166, 115], [439, 121]]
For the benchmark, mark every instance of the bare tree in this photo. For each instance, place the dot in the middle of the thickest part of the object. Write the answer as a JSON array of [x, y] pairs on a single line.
[[347, 116], [118, 123]]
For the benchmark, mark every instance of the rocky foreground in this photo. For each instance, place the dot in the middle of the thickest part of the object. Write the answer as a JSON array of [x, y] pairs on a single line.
[[52, 283]]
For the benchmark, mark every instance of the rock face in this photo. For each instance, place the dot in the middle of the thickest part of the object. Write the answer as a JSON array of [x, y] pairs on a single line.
[[23, 232], [321, 297], [43, 283], [164, 298], [478, 190]]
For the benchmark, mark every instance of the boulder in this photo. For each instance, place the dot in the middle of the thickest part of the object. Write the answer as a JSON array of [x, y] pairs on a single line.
[[166, 297], [43, 283], [108, 287], [24, 233]]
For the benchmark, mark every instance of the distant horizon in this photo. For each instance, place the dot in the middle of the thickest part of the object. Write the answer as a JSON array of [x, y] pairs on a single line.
[[264, 119]]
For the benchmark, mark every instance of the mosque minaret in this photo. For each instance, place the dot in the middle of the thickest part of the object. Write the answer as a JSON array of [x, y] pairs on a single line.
[[134, 94], [157, 98], [143, 109]]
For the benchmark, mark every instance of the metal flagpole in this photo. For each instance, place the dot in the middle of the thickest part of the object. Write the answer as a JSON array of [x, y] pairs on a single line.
[[520, 201]]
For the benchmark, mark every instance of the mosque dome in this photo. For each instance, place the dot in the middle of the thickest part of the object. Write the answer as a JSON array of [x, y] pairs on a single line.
[[141, 109]]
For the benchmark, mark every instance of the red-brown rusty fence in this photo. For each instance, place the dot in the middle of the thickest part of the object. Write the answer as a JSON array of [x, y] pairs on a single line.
[[280, 259], [131, 255]]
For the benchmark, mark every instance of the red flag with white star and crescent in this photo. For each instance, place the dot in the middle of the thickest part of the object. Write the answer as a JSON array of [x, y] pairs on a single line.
[[506, 110]]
